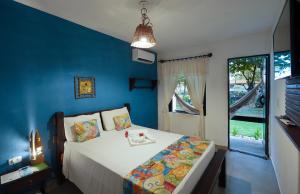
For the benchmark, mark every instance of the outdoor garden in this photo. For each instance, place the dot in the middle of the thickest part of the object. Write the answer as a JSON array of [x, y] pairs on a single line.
[[246, 77], [247, 129]]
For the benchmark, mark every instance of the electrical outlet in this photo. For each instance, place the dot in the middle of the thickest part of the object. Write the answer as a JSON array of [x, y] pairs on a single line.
[[15, 160]]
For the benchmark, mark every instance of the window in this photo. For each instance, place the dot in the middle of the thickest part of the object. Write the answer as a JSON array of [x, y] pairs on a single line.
[[181, 101]]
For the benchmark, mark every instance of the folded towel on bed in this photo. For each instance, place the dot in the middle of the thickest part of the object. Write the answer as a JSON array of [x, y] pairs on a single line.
[[139, 137]]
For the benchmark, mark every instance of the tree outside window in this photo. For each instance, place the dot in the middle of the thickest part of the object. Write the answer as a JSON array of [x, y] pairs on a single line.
[[181, 101]]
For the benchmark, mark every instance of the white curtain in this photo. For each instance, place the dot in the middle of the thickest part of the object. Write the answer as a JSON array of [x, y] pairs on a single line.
[[196, 79], [168, 80], [194, 70]]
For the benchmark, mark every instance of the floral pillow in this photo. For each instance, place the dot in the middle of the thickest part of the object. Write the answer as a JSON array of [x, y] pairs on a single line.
[[85, 130], [122, 121]]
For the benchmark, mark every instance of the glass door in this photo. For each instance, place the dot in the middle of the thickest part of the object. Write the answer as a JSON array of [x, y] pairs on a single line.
[[248, 104]]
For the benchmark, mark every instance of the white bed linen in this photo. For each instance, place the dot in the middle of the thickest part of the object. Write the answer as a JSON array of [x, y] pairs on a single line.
[[98, 166]]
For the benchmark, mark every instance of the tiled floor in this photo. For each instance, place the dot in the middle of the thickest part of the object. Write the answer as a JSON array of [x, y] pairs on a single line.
[[245, 175], [245, 145], [248, 175]]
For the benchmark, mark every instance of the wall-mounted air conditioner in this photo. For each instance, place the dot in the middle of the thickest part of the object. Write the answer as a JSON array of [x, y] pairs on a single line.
[[142, 56]]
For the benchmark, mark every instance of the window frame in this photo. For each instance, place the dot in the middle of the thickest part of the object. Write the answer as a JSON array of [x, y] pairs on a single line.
[[184, 112]]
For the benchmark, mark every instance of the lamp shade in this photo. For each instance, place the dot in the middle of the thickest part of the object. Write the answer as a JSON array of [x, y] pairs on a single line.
[[36, 148], [38, 142], [143, 37]]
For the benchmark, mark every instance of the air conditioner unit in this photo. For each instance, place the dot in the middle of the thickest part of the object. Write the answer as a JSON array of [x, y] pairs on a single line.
[[142, 56]]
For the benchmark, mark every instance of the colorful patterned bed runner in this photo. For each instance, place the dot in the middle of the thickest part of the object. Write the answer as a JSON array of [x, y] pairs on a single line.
[[163, 173]]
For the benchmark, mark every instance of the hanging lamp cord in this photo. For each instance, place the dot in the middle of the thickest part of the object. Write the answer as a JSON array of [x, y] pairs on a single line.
[[145, 18]]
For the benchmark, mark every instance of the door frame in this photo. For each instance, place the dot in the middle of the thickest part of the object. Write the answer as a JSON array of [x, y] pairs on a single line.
[[268, 77]]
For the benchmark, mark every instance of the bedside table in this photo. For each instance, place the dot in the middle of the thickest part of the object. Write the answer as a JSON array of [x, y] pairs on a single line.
[[27, 183]]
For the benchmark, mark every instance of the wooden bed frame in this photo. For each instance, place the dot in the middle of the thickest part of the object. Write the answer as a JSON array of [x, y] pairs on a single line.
[[215, 170]]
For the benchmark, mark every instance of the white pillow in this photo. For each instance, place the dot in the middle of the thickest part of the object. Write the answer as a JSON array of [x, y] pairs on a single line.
[[69, 122], [107, 117]]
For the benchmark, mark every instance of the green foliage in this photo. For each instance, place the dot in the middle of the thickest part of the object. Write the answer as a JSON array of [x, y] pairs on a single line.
[[282, 60], [247, 128], [187, 99], [257, 134], [182, 89], [235, 131], [248, 67], [181, 78]]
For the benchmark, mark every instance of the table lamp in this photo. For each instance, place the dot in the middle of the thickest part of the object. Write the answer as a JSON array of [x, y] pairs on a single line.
[[36, 148]]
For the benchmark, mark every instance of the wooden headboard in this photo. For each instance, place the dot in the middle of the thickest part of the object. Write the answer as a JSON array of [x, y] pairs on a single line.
[[60, 137]]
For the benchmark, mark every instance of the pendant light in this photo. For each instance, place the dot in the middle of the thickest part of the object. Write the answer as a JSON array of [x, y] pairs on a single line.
[[143, 36]]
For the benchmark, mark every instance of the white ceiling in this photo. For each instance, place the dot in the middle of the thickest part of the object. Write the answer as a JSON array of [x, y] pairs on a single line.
[[177, 23]]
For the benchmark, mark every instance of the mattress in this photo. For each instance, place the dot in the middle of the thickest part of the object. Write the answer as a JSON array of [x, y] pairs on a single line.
[[98, 166]]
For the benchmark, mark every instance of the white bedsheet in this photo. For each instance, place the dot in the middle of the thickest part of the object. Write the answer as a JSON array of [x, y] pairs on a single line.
[[98, 166]]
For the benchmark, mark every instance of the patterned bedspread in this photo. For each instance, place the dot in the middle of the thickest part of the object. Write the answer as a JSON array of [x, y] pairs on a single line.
[[163, 173]]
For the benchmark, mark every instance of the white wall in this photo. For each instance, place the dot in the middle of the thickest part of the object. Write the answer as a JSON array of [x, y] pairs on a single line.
[[184, 124], [216, 123], [284, 155]]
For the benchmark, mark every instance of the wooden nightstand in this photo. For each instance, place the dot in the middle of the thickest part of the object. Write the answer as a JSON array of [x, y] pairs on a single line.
[[27, 183]]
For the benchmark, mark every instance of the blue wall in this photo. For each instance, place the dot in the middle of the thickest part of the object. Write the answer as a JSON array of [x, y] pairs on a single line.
[[39, 56]]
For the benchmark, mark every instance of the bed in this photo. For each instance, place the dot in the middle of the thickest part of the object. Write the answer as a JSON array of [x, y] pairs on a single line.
[[100, 165]]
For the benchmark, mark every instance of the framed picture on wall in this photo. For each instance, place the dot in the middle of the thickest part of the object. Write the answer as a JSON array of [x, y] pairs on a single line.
[[84, 87]]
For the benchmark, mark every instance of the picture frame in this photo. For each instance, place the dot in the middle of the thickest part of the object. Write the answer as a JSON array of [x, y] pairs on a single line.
[[84, 87]]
